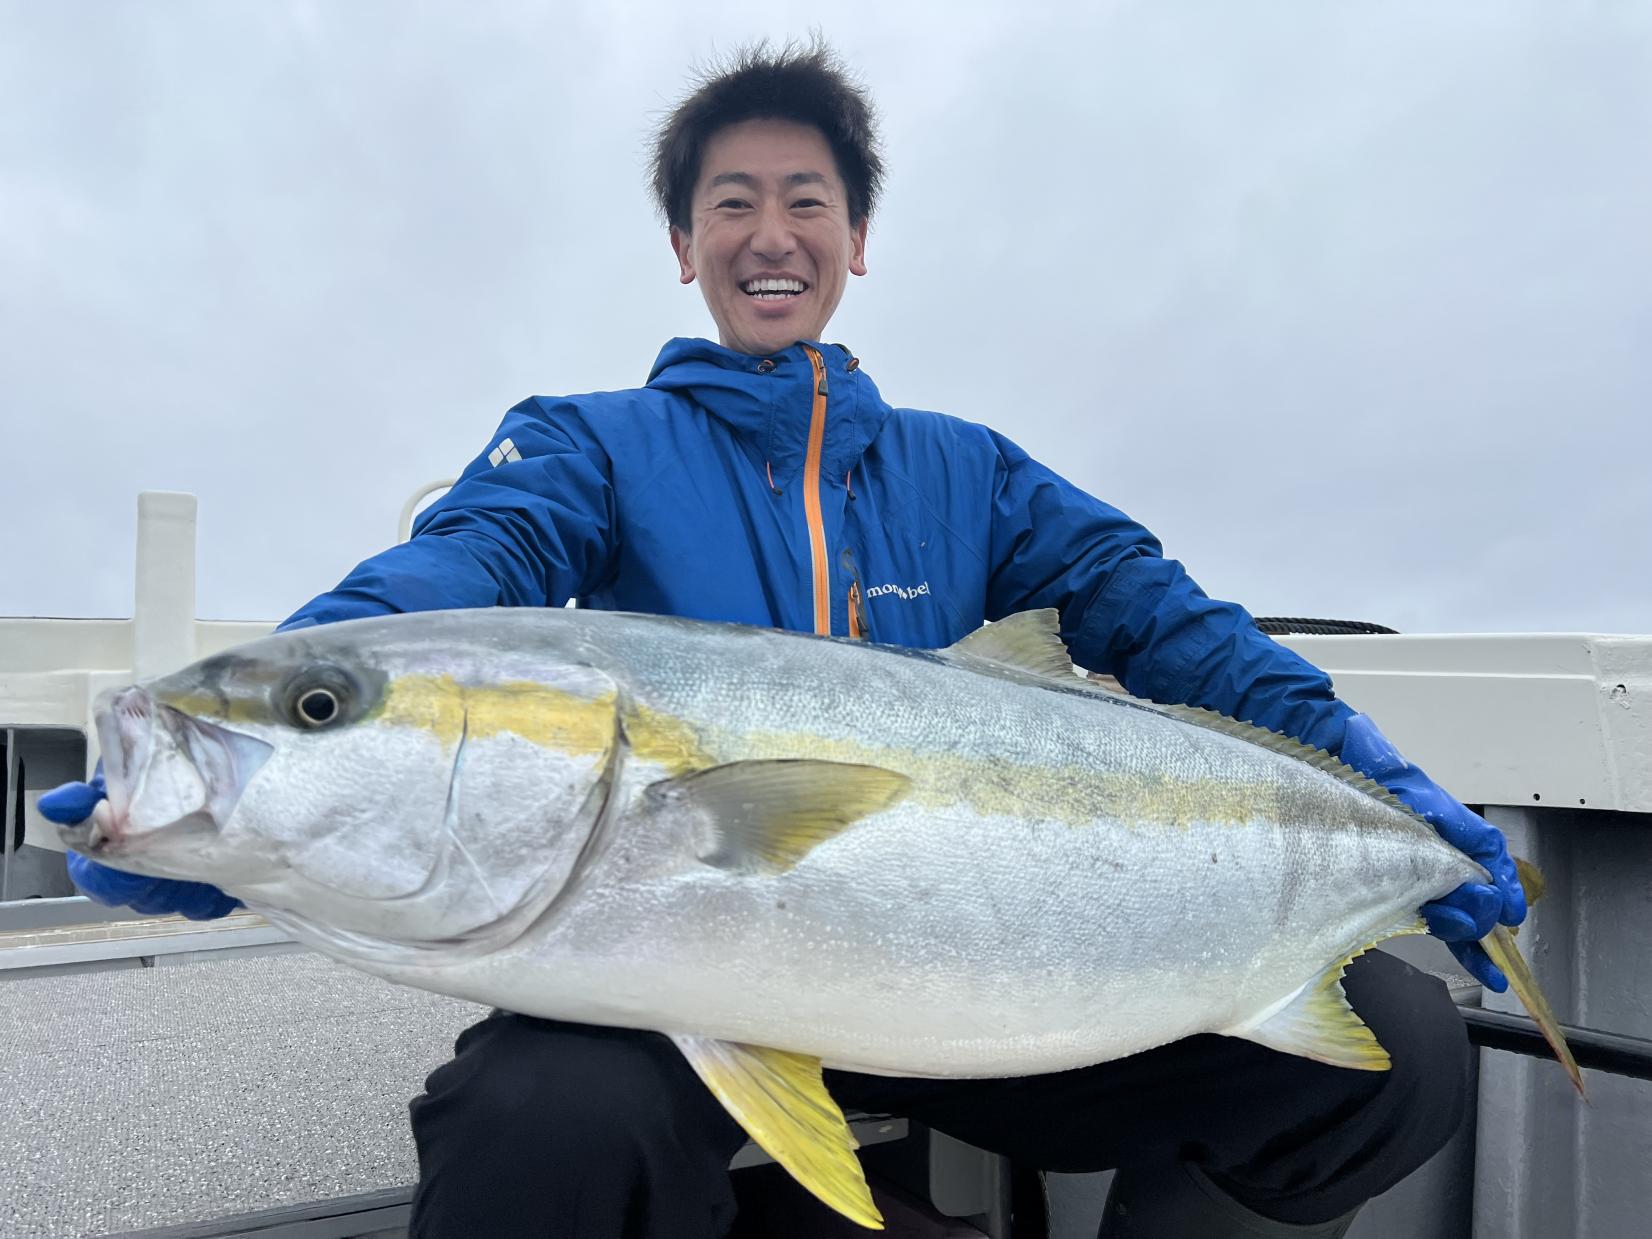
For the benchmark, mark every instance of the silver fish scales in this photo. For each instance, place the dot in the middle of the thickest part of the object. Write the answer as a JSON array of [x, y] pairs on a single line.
[[781, 850]]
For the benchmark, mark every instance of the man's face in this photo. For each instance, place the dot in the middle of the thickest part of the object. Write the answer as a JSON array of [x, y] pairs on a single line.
[[770, 206]]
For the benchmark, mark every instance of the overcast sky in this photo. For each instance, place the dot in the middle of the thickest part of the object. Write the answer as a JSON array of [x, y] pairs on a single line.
[[1351, 303]]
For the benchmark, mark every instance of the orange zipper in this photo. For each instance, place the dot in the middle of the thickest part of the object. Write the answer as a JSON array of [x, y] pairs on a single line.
[[857, 626], [811, 498]]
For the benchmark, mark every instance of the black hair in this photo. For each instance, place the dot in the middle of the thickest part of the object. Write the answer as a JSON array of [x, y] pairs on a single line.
[[807, 84]]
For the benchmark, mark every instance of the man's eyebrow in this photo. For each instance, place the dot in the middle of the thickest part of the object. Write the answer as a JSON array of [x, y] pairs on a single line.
[[750, 181]]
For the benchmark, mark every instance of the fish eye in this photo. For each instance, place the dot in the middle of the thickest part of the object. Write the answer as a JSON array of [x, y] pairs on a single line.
[[319, 697], [318, 707]]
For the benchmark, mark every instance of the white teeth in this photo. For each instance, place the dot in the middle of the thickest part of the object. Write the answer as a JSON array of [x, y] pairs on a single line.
[[758, 288]]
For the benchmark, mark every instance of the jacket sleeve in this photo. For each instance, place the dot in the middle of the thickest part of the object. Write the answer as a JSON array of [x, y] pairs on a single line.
[[1129, 611], [534, 529]]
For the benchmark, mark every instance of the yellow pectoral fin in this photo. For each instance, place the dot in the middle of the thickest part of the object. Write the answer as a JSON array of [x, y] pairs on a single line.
[[781, 1101], [766, 816]]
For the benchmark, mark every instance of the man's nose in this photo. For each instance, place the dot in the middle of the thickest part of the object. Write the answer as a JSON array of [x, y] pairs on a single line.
[[773, 238]]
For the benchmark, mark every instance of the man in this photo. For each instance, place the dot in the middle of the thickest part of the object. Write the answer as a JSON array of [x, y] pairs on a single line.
[[763, 480]]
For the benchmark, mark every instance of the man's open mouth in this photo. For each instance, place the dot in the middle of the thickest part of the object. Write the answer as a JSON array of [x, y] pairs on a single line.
[[773, 289]]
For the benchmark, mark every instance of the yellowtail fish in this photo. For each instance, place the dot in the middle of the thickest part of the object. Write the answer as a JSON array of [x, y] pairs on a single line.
[[780, 850]]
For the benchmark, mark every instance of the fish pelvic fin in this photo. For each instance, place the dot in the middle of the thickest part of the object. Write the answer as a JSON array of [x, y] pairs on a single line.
[[780, 1100], [765, 816], [1318, 1023], [1505, 953]]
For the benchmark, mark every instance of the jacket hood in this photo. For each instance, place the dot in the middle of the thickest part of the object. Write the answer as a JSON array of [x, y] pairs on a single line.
[[770, 400]]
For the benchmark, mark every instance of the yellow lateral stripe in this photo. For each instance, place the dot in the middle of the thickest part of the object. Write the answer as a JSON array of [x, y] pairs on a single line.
[[811, 499], [548, 717], [584, 726], [540, 714], [1060, 793], [664, 739]]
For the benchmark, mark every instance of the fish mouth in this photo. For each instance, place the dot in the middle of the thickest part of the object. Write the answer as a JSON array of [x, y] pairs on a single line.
[[167, 774], [125, 722]]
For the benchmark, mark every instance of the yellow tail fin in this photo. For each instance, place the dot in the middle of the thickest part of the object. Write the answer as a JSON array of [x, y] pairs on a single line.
[[1500, 945], [1505, 953]]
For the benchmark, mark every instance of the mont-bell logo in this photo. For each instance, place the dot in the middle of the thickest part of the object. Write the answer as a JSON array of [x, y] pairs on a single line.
[[900, 591]]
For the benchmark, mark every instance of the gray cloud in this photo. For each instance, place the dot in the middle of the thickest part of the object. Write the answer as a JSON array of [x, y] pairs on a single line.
[[1349, 303]]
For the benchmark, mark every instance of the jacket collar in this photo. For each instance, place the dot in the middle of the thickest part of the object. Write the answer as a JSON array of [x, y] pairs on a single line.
[[770, 400]]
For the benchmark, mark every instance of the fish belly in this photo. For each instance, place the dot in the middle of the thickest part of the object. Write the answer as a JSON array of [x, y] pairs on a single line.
[[1069, 880], [1012, 949]]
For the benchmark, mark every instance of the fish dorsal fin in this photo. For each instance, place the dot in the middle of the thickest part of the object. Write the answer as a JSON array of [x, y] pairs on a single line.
[[765, 816], [1027, 641], [1278, 742], [781, 1101], [1318, 1023]]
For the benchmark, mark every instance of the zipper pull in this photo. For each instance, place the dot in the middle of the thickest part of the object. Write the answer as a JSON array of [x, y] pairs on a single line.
[[857, 607]]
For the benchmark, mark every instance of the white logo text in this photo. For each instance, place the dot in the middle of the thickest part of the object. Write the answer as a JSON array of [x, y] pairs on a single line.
[[900, 591]]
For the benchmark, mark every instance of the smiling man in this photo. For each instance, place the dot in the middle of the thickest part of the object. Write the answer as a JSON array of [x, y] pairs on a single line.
[[763, 479], [771, 235]]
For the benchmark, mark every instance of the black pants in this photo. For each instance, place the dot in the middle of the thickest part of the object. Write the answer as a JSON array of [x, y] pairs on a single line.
[[539, 1128]]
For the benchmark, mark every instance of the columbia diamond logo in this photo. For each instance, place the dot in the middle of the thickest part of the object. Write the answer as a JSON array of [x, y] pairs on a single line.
[[505, 451]]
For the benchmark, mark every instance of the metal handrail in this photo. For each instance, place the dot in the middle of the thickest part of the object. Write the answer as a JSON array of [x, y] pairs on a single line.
[[1598, 1051], [410, 509]]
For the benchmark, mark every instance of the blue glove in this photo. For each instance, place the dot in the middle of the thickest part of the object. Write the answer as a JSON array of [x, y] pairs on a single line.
[[73, 803], [1474, 909]]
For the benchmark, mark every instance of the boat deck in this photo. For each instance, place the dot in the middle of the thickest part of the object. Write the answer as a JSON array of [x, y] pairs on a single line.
[[161, 1096], [217, 1094]]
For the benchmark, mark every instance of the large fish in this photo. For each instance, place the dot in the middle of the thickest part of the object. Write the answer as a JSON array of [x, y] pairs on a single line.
[[778, 849]]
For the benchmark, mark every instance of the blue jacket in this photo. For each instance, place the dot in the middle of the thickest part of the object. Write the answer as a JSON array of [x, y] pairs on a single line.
[[785, 492]]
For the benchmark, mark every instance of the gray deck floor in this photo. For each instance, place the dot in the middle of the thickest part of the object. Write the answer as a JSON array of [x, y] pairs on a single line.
[[156, 1096]]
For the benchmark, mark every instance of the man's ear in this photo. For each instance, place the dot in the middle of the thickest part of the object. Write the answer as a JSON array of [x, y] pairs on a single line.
[[683, 246], [857, 255]]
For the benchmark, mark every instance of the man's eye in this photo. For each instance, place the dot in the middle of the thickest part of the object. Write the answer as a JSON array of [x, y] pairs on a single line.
[[732, 202], [808, 202]]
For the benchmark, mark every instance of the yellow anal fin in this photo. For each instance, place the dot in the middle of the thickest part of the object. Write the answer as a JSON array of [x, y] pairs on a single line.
[[1319, 1024], [781, 1101], [765, 816], [1505, 953]]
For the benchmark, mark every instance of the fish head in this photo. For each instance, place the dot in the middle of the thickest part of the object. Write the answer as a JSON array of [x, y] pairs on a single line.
[[364, 785]]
